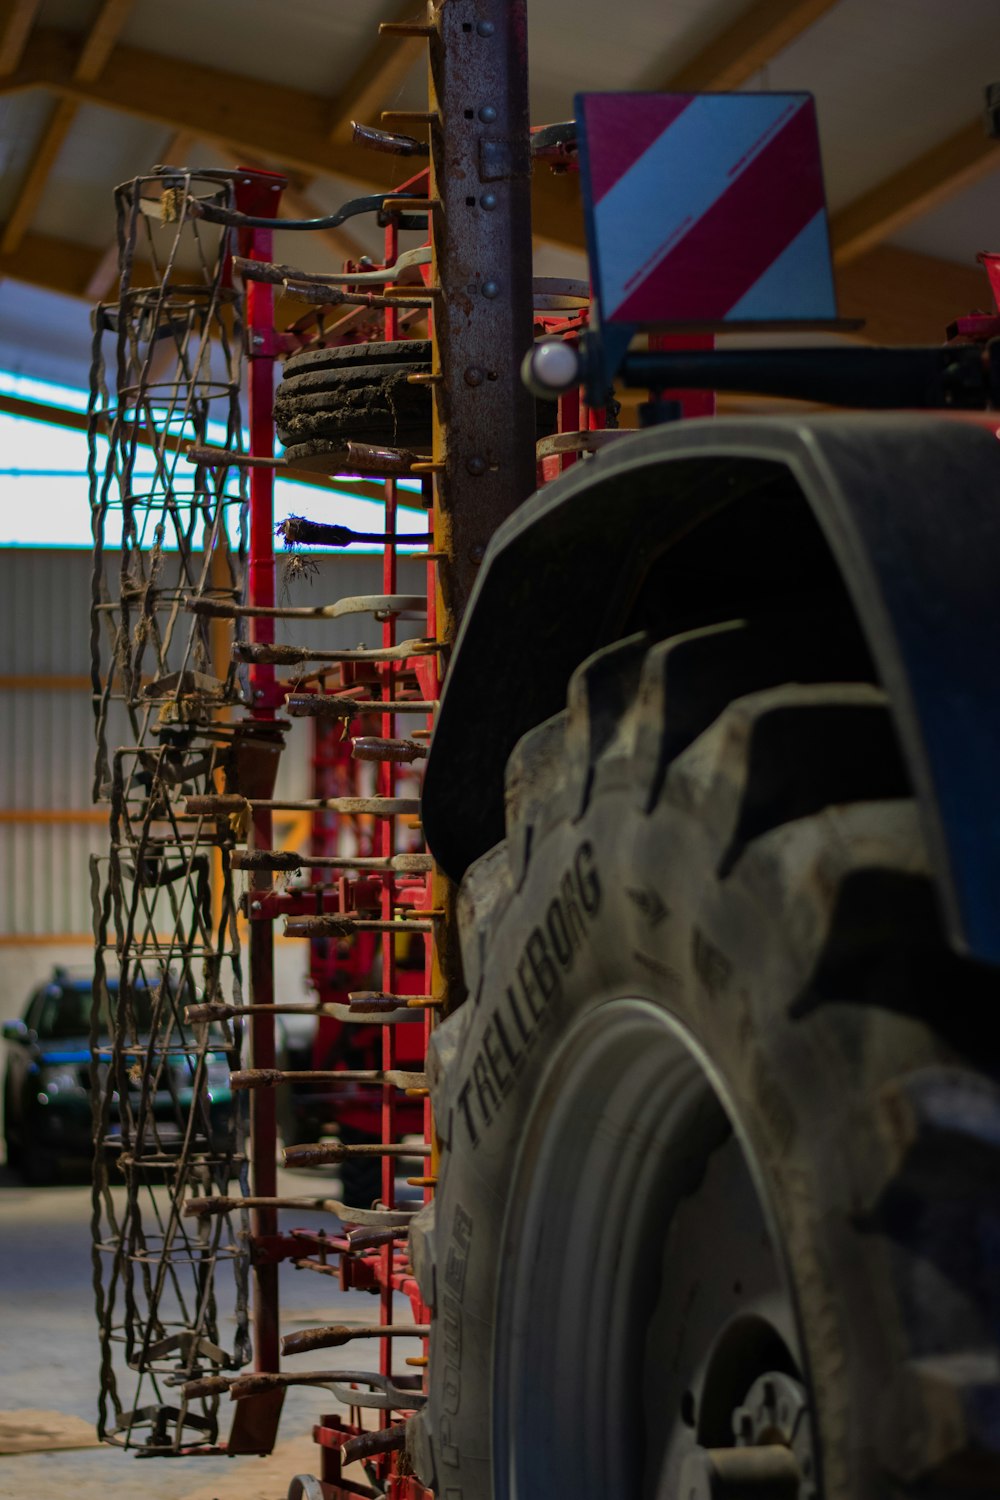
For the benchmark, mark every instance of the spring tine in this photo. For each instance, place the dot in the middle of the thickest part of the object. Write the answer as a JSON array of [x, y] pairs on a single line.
[[333, 926], [404, 751], [382, 606], [298, 532], [381, 1218], [325, 1153], [252, 1078], [377, 1000], [216, 1011], [385, 140], [259, 651], [288, 859], [379, 807], [384, 1393], [335, 1335], [319, 705], [385, 1440]]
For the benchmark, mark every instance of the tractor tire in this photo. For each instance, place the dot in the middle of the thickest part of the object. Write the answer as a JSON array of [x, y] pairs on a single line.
[[720, 1120]]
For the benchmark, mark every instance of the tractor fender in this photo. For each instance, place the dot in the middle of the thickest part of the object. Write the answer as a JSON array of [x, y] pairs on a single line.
[[908, 506]]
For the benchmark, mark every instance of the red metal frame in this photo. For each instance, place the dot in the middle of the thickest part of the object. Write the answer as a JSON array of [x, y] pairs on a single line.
[[255, 195]]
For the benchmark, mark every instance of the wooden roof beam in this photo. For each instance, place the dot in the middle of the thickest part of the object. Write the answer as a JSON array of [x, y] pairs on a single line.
[[377, 78], [102, 38], [97, 47], [35, 178], [264, 119], [739, 51], [16, 20], [745, 46], [922, 185]]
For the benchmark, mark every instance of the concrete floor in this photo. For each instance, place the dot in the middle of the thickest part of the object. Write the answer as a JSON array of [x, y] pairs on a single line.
[[49, 1360]]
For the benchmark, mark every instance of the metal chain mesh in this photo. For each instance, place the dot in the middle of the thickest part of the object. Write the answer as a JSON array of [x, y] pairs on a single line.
[[166, 1127]]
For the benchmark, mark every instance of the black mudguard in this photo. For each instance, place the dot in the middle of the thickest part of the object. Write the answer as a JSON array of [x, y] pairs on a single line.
[[909, 506]]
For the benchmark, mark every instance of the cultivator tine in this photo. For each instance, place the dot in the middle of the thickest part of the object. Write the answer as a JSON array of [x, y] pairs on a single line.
[[336, 1335], [251, 1078], [382, 606], [402, 751], [320, 706], [326, 927], [381, 1218], [251, 651]]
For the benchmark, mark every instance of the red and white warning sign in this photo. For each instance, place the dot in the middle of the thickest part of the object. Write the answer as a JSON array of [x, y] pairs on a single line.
[[705, 208]]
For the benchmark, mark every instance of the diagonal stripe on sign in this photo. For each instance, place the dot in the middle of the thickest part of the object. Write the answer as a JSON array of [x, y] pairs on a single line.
[[799, 284], [730, 247], [618, 134], [678, 180]]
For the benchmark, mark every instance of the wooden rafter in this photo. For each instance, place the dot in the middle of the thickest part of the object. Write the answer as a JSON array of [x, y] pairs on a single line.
[[37, 175], [263, 119], [922, 185], [98, 45], [102, 38], [375, 81], [16, 20], [746, 45]]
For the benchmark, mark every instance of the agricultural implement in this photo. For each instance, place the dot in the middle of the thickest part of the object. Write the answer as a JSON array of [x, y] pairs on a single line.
[[690, 1070]]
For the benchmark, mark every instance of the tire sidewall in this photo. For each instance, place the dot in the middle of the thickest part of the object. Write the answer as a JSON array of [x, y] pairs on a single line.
[[726, 961]]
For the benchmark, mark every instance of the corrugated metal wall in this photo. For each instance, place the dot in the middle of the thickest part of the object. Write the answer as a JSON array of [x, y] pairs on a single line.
[[46, 740]]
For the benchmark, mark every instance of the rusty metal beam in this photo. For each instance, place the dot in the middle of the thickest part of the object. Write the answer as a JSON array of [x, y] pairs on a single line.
[[376, 79], [922, 185], [480, 180], [16, 20]]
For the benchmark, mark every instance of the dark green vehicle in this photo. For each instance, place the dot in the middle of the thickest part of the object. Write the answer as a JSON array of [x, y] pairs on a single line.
[[47, 1082]]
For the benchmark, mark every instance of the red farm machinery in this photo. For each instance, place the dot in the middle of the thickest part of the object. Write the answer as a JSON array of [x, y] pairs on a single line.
[[650, 858]]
